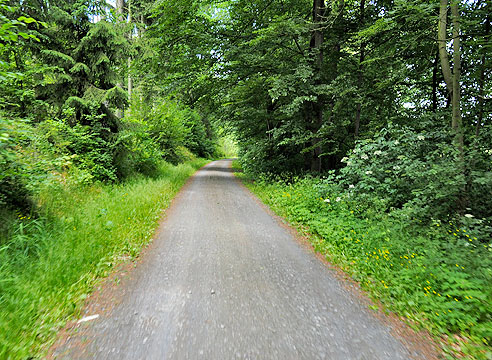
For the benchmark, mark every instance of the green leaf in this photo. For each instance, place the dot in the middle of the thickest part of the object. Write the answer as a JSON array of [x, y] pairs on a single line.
[[27, 20]]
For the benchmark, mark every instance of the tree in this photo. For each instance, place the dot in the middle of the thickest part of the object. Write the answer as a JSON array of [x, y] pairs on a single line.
[[360, 73], [452, 77]]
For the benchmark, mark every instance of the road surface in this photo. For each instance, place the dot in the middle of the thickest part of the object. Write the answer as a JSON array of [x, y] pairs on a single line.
[[224, 280]]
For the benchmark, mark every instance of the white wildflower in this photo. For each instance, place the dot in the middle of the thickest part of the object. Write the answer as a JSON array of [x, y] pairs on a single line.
[[351, 186], [378, 152], [327, 200], [364, 156], [469, 216], [338, 199], [368, 172], [421, 137], [396, 142]]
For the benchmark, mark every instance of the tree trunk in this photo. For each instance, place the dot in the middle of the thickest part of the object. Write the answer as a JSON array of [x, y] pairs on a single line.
[[130, 34], [441, 39], [317, 107], [456, 102], [120, 5], [434, 82], [360, 75], [452, 78], [482, 77]]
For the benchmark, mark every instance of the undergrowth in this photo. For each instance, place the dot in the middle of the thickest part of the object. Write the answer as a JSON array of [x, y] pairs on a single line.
[[437, 275], [49, 264]]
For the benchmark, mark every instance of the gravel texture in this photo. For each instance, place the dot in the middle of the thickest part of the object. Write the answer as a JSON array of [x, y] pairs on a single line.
[[224, 280]]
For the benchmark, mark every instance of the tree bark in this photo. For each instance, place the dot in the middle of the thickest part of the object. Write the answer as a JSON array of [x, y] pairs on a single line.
[[456, 102], [120, 5], [441, 39], [434, 82], [130, 34], [452, 78], [360, 75], [482, 77], [317, 107]]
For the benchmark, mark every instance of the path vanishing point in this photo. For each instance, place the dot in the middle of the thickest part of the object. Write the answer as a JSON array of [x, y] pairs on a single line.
[[224, 279]]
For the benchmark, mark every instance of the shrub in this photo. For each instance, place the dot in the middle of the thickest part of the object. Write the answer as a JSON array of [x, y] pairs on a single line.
[[20, 171], [197, 140], [419, 172], [90, 147], [438, 274], [161, 131], [262, 156]]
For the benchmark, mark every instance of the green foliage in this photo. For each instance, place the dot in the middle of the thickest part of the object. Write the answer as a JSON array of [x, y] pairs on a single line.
[[52, 151], [49, 264], [165, 130], [227, 146], [438, 275], [86, 145], [62, 98], [196, 139], [262, 156], [405, 168], [362, 81], [420, 173], [12, 190], [137, 151]]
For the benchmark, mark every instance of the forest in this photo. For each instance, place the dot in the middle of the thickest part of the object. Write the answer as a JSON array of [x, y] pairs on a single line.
[[366, 123]]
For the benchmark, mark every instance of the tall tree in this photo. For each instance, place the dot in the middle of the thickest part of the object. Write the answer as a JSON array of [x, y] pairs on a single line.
[[360, 73], [316, 47], [120, 9], [452, 77], [481, 81], [130, 35]]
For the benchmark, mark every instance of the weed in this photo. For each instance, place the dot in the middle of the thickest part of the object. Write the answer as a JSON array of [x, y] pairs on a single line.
[[48, 265], [439, 275]]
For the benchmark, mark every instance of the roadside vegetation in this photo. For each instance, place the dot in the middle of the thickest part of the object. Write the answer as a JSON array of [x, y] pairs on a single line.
[[50, 260], [367, 123], [87, 165], [435, 274]]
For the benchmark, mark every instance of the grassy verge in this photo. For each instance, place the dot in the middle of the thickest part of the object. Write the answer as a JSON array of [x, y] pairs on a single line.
[[435, 276], [48, 265]]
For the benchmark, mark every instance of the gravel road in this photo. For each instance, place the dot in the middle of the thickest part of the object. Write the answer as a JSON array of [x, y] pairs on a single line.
[[224, 280]]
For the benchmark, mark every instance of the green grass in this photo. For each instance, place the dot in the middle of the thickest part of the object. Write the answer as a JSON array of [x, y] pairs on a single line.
[[49, 265], [435, 276]]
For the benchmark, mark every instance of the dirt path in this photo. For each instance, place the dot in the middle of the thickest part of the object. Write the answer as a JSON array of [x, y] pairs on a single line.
[[223, 280]]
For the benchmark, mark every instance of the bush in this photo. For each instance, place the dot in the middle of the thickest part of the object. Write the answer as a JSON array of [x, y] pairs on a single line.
[[421, 173], [438, 274], [164, 131], [197, 140], [90, 147], [53, 150], [136, 150], [49, 264], [262, 156], [21, 167]]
